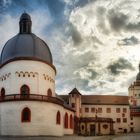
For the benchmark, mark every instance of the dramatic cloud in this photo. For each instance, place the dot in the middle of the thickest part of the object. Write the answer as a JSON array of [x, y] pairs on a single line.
[[74, 33], [87, 38], [118, 66], [120, 21], [128, 41], [117, 20]]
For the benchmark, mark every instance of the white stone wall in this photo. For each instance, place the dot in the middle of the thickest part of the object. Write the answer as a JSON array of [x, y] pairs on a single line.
[[43, 119], [68, 131], [43, 80], [114, 115]]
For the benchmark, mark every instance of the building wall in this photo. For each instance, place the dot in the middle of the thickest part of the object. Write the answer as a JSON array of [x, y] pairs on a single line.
[[15, 74], [134, 100], [76, 100], [135, 92], [136, 125], [105, 131], [43, 119], [118, 127], [68, 131], [87, 131]]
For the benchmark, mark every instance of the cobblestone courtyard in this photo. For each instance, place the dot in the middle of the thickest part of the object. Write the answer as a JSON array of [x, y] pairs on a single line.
[[118, 137]]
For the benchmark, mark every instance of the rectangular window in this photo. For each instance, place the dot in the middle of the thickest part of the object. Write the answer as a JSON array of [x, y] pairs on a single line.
[[73, 105], [124, 120], [124, 110], [86, 109], [93, 109], [123, 115], [108, 110], [131, 123], [118, 110], [131, 118], [80, 110], [99, 110], [118, 120]]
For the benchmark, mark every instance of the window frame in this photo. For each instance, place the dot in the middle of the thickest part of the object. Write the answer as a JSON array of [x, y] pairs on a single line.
[[71, 121], [118, 120], [23, 120], [86, 109], [2, 92], [58, 118], [28, 88], [118, 110], [108, 110], [49, 92], [100, 110], [66, 121]]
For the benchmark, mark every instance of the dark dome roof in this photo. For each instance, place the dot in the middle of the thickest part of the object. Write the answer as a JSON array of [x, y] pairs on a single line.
[[26, 44], [138, 75], [25, 16]]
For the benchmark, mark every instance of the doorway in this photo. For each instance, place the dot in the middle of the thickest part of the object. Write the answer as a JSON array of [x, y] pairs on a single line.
[[131, 129], [92, 130], [125, 130]]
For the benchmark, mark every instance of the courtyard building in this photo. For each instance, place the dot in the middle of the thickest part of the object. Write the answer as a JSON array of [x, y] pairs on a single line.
[[29, 105]]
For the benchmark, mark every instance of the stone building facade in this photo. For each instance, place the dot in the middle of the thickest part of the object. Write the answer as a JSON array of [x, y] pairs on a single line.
[[29, 105]]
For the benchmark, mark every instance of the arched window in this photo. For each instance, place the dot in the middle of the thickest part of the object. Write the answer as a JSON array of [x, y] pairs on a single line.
[[2, 93], [24, 90], [58, 118], [49, 93], [26, 115], [71, 122], [66, 120]]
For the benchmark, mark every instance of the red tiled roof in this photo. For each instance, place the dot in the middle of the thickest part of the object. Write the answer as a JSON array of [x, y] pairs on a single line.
[[105, 99], [102, 99]]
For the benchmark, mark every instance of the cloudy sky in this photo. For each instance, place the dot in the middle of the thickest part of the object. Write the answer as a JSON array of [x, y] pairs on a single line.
[[95, 43]]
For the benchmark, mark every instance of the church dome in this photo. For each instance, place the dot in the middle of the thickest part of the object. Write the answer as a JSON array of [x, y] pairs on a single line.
[[26, 44], [25, 16], [138, 75]]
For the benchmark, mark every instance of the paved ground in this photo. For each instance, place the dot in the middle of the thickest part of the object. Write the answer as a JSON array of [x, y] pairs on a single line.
[[128, 137], [120, 137], [58, 138]]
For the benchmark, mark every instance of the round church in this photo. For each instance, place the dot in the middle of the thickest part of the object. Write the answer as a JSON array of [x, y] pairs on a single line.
[[28, 103]]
